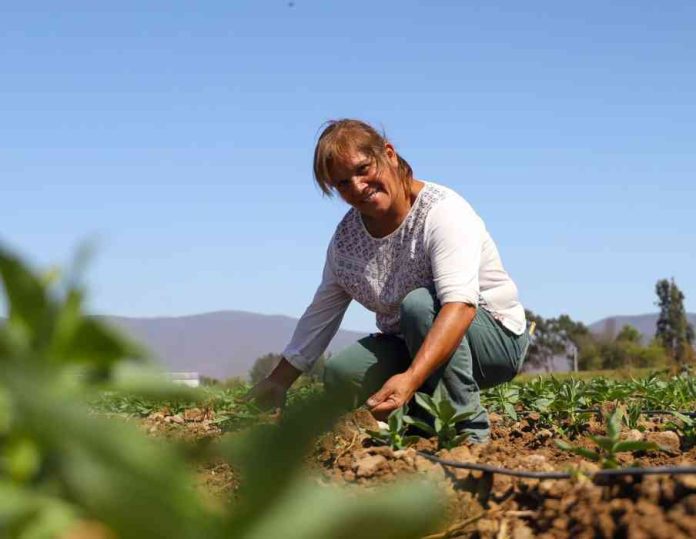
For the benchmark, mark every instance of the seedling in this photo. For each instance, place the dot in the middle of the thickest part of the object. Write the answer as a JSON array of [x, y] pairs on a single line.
[[445, 416], [609, 446], [686, 429], [634, 412], [395, 433], [504, 398]]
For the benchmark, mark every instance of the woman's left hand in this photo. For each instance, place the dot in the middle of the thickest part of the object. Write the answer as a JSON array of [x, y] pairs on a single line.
[[395, 392]]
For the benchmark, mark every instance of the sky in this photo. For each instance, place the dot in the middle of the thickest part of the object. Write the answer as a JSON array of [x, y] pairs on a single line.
[[177, 138]]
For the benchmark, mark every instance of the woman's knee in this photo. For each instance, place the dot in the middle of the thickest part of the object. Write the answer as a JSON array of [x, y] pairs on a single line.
[[418, 309], [338, 373]]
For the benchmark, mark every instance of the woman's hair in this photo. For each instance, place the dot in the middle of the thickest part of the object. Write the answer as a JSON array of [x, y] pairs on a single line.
[[341, 137]]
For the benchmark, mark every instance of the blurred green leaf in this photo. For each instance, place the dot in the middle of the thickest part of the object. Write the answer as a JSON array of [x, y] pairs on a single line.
[[28, 514], [595, 457], [26, 298], [136, 486], [109, 472], [22, 458], [269, 457], [401, 511], [635, 445]]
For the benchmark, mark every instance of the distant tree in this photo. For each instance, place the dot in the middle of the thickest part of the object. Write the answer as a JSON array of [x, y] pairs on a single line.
[[263, 366], [549, 341], [629, 334], [673, 329], [589, 354]]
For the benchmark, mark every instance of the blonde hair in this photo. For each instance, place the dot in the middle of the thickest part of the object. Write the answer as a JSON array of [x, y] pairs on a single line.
[[341, 137]]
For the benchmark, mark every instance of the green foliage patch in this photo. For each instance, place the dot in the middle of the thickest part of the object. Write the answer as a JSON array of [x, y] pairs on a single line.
[[61, 464]]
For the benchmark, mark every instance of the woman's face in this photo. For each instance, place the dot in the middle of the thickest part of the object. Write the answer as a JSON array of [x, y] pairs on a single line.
[[358, 182]]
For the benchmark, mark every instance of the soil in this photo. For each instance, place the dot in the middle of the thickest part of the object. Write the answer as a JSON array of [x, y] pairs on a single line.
[[498, 506]]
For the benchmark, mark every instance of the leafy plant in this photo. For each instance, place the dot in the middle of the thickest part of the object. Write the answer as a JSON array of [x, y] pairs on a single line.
[[631, 419], [61, 465], [609, 446], [569, 401], [395, 433], [503, 399], [685, 428], [445, 418]]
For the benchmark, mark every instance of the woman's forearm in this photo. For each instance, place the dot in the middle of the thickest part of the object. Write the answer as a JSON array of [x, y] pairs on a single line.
[[447, 331]]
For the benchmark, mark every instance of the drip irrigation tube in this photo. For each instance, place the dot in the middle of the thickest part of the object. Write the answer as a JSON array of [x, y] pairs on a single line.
[[486, 468]]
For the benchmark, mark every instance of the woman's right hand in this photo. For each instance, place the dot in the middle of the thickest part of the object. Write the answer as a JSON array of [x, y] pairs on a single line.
[[271, 392], [268, 394]]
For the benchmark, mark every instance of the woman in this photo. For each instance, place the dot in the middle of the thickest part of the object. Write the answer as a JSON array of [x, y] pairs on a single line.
[[417, 255]]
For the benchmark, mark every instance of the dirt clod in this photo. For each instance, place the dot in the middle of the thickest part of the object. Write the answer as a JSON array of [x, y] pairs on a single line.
[[368, 466]]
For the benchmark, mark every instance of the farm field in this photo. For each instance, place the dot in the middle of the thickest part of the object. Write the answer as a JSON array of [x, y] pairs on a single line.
[[95, 445], [529, 421]]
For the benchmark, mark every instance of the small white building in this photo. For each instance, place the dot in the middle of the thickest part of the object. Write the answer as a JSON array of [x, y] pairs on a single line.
[[191, 379]]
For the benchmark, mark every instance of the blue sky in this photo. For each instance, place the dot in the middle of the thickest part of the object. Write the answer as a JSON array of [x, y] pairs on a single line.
[[178, 136]]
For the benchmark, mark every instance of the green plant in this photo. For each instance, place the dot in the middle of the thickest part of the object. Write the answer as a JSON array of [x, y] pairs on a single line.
[[609, 446], [61, 464], [445, 418], [685, 428], [631, 418], [395, 433], [569, 399], [503, 399]]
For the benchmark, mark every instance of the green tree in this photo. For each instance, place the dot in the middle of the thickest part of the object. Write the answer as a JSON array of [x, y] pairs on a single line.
[[561, 336], [549, 341], [673, 328], [629, 334]]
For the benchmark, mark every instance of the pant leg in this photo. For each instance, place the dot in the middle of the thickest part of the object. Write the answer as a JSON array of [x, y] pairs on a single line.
[[488, 355], [360, 370], [418, 311], [498, 353]]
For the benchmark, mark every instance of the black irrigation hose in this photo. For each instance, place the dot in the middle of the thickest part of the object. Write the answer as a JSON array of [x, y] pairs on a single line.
[[660, 470]]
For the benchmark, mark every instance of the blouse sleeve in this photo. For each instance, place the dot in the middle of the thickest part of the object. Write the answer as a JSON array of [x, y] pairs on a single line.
[[454, 236], [320, 321]]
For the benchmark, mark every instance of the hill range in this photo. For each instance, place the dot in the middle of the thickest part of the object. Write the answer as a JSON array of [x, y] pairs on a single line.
[[226, 343], [644, 323], [218, 344]]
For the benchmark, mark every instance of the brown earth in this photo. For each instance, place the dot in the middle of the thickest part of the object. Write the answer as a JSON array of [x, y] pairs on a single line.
[[498, 506]]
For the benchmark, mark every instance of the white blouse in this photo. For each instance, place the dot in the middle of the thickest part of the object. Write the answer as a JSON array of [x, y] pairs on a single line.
[[442, 242]]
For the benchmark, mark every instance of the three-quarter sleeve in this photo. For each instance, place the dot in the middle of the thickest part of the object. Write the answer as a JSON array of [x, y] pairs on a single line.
[[454, 236], [320, 321]]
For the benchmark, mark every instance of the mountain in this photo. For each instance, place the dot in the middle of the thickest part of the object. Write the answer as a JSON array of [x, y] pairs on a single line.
[[645, 323], [226, 343], [219, 344]]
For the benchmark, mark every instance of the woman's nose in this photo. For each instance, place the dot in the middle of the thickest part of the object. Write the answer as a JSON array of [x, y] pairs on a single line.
[[358, 184]]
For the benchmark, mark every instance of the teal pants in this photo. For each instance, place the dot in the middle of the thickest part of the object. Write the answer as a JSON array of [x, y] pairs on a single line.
[[488, 355]]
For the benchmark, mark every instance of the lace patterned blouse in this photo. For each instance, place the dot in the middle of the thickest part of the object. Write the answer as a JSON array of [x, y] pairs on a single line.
[[442, 242]]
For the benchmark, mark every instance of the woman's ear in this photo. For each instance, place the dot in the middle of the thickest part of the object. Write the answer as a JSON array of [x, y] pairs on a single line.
[[390, 152]]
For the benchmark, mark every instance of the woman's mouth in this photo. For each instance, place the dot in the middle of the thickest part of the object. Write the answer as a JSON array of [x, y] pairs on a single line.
[[369, 195]]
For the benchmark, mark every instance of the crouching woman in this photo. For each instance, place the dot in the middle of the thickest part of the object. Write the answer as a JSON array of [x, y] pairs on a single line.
[[417, 254]]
